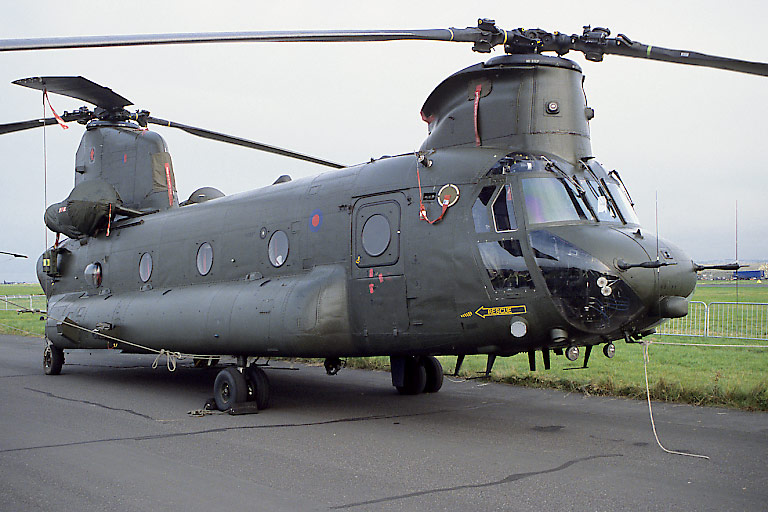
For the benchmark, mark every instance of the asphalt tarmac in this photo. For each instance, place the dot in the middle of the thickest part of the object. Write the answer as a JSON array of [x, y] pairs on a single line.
[[111, 433]]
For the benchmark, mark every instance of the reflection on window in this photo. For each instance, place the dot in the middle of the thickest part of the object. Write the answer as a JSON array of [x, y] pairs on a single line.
[[480, 210], [278, 248], [204, 258], [505, 265], [145, 267], [583, 288], [625, 206], [547, 200], [503, 212], [93, 274], [600, 204]]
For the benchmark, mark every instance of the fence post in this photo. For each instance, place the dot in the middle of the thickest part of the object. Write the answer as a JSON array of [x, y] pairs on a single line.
[[706, 320]]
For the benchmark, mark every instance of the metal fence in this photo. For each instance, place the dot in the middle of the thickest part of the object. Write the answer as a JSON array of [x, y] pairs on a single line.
[[739, 320], [17, 302]]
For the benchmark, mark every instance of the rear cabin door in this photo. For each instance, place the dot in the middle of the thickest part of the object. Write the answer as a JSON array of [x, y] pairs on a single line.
[[378, 284]]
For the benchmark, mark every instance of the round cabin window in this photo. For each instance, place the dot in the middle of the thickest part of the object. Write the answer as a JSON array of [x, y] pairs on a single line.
[[376, 235], [145, 267], [204, 258], [278, 248], [93, 274]]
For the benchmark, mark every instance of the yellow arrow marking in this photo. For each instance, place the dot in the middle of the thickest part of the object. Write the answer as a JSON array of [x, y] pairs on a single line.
[[485, 312]]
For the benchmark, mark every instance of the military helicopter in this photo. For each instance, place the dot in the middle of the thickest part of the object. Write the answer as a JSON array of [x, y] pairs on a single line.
[[502, 235]]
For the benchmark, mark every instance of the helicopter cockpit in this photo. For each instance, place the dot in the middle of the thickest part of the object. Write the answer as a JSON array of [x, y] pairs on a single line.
[[540, 221]]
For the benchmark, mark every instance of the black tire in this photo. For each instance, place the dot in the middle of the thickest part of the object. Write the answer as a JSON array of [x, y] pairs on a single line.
[[53, 360], [434, 371], [258, 386], [229, 388], [415, 378]]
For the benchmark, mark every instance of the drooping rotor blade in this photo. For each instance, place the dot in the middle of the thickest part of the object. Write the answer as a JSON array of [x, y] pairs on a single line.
[[639, 50], [208, 134], [79, 88], [594, 43], [13, 254], [37, 123]]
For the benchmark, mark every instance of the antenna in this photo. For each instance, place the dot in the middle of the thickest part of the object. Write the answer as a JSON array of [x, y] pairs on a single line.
[[737, 249]]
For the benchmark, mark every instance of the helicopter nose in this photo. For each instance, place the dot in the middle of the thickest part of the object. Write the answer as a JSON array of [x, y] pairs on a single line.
[[665, 282]]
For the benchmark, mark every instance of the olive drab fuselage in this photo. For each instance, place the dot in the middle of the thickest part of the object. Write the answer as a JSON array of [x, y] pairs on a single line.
[[346, 263]]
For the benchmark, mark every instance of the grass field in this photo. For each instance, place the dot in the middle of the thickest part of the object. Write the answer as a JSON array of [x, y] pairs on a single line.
[[733, 377]]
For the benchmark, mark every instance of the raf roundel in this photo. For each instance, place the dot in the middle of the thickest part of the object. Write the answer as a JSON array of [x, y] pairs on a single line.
[[315, 221]]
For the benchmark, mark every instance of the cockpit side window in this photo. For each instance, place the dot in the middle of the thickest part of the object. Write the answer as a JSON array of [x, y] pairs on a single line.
[[480, 210], [503, 210]]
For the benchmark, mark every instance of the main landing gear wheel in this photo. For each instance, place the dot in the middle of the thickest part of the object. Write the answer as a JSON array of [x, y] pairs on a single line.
[[434, 372], [414, 377], [258, 386], [229, 388], [53, 359]]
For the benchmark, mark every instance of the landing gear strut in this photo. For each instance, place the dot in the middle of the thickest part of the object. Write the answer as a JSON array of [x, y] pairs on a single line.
[[412, 375]]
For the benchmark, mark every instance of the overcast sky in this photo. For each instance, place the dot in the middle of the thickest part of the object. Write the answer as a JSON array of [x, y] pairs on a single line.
[[694, 137]]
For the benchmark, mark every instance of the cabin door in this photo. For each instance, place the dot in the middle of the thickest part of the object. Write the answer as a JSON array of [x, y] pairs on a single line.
[[378, 283]]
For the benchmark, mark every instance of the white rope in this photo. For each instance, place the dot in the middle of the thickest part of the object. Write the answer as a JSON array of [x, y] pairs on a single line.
[[170, 359], [650, 410]]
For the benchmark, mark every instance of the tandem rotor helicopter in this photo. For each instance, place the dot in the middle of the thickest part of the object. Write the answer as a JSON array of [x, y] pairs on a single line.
[[541, 244]]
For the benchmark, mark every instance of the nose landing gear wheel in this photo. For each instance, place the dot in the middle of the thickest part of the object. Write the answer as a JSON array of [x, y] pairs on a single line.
[[53, 359], [229, 388]]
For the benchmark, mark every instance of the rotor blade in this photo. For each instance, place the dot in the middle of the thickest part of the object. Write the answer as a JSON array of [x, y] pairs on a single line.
[[13, 254], [620, 47], [37, 123], [452, 34], [208, 134], [26, 125], [79, 88]]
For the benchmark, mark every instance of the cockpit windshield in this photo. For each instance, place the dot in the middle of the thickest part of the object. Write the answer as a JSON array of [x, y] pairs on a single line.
[[623, 202], [549, 200], [601, 205]]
